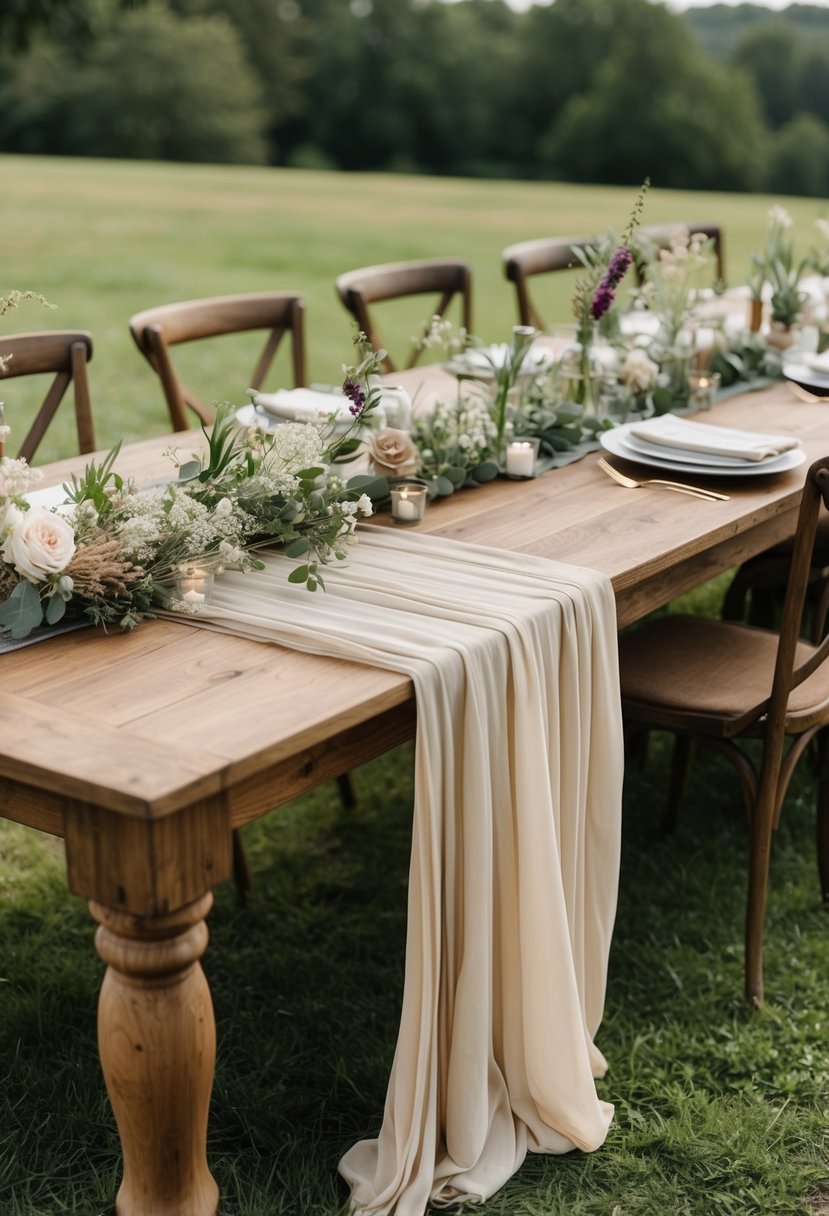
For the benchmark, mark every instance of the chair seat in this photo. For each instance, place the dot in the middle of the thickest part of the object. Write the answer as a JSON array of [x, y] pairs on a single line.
[[711, 677]]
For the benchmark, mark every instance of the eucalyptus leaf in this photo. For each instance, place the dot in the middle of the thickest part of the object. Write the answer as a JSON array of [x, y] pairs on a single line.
[[299, 575], [189, 470], [456, 474], [22, 611], [485, 472], [55, 609], [297, 547], [443, 487]]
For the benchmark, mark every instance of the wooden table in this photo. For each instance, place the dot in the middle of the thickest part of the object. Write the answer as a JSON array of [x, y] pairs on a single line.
[[170, 737]]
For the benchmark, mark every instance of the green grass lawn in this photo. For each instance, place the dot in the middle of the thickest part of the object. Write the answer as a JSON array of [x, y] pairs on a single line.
[[718, 1113]]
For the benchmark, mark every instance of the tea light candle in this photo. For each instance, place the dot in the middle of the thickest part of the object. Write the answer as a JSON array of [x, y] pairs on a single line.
[[520, 459], [703, 386], [194, 584], [408, 503]]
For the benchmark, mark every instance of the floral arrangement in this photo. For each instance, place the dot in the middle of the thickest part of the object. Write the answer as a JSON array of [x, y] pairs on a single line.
[[674, 276], [458, 444], [112, 552], [776, 265]]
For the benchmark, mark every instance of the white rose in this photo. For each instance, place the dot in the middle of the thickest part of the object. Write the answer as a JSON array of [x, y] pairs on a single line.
[[39, 544], [639, 371]]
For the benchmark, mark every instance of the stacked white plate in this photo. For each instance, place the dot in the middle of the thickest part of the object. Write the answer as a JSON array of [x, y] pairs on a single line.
[[700, 449], [809, 370]]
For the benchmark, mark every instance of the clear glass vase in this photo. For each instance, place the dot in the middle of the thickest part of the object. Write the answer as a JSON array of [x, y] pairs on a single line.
[[582, 370]]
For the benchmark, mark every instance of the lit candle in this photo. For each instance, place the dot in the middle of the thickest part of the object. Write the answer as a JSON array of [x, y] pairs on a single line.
[[408, 502], [703, 386], [520, 462], [194, 584]]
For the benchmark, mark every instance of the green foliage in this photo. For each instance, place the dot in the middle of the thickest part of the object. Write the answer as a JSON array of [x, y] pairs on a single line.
[[152, 86], [799, 157], [655, 106], [586, 90]]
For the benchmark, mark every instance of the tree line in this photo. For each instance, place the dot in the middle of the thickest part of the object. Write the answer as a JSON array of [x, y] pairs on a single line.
[[604, 91]]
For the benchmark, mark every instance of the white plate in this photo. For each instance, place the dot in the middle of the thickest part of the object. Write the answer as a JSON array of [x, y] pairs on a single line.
[[485, 361], [249, 415], [802, 374], [640, 447], [614, 442]]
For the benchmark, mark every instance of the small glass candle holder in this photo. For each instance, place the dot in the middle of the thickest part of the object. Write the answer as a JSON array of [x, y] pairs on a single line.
[[194, 585], [702, 387], [520, 457], [408, 502]]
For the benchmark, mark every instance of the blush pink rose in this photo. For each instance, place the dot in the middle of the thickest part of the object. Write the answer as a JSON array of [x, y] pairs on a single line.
[[39, 544]]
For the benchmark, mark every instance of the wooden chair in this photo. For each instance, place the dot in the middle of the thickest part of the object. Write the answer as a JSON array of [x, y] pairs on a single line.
[[544, 256], [358, 289], [156, 330], [659, 236], [63, 354], [722, 682]]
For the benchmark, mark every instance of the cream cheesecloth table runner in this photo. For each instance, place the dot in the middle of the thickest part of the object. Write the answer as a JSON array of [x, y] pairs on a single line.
[[515, 844]]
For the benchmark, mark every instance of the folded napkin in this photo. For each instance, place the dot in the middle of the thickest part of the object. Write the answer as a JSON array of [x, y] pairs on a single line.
[[818, 363], [302, 404], [672, 432]]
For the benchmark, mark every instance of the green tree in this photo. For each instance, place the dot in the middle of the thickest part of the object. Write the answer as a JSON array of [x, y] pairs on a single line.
[[274, 36], [656, 106], [799, 158], [153, 86], [770, 54]]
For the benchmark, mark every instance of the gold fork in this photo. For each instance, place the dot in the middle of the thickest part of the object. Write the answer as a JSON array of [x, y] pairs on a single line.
[[631, 484]]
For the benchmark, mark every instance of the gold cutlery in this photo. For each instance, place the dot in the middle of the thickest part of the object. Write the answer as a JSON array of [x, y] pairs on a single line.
[[631, 484]]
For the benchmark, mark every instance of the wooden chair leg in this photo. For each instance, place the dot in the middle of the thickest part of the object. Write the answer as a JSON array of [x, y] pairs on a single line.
[[681, 761], [241, 871], [636, 746], [823, 815], [347, 795]]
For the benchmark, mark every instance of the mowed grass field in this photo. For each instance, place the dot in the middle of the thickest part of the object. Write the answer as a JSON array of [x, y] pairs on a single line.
[[718, 1112], [105, 239]]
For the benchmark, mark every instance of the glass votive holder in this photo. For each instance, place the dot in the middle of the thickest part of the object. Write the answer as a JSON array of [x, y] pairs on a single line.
[[408, 502], [702, 387], [612, 401], [194, 585], [520, 457]]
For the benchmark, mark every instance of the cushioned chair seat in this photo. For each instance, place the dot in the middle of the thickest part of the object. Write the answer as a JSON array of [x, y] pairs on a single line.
[[713, 675]]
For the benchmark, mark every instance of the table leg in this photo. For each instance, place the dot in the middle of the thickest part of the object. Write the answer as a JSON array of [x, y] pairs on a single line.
[[157, 1040]]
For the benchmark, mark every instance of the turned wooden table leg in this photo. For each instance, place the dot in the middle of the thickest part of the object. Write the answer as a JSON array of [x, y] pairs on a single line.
[[157, 1040]]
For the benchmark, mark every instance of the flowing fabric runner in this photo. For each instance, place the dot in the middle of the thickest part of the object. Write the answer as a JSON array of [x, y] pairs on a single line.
[[515, 845]]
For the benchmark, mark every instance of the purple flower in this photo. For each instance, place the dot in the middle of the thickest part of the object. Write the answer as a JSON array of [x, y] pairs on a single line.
[[356, 396], [605, 293]]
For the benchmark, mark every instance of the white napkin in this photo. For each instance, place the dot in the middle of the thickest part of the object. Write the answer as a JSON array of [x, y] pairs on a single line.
[[672, 432], [303, 405], [818, 363]]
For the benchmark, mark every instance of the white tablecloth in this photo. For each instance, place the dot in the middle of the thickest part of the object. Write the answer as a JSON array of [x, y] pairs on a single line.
[[515, 847]]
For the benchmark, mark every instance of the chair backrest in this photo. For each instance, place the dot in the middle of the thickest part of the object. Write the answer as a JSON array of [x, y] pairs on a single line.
[[660, 235], [64, 354], [373, 284], [156, 330], [542, 256]]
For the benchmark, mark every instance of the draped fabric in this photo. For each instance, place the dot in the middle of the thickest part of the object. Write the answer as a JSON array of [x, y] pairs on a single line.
[[515, 845]]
